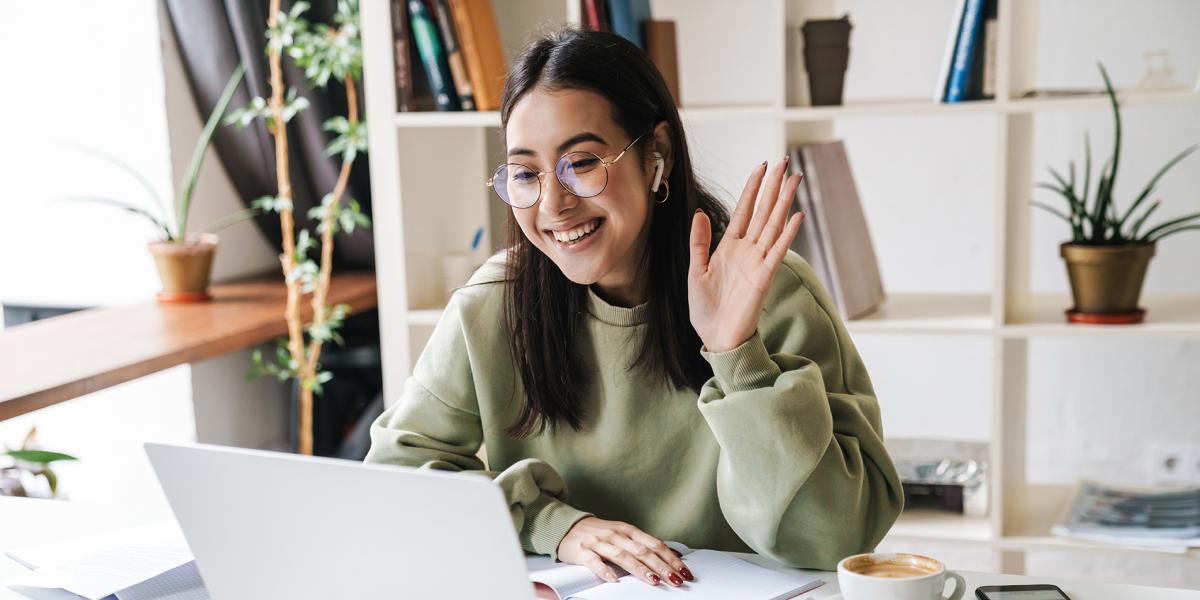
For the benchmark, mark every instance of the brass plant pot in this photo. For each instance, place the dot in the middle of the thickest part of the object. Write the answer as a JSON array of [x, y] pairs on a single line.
[[1106, 281], [184, 268]]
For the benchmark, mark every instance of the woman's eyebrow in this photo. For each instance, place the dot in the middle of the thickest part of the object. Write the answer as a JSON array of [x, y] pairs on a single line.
[[586, 136]]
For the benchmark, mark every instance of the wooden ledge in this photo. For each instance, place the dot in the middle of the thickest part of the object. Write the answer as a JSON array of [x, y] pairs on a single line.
[[56, 359]]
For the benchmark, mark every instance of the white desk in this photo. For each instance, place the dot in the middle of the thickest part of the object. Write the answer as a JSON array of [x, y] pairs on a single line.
[[24, 522]]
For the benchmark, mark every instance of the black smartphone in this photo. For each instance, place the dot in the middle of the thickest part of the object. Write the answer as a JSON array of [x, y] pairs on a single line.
[[1020, 592]]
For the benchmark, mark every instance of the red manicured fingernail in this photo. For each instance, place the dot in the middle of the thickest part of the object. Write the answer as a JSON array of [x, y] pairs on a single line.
[[764, 163], [687, 574], [654, 579], [785, 158], [675, 580]]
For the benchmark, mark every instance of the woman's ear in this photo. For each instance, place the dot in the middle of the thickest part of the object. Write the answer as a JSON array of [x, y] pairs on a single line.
[[662, 156]]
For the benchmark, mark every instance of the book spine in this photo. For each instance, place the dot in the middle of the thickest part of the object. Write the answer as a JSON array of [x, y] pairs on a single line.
[[424, 34], [621, 14], [991, 29], [591, 14], [659, 37], [400, 42], [454, 56], [968, 36], [948, 56]]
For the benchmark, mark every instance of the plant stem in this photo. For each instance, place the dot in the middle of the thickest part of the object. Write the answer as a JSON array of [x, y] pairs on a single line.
[[287, 225], [343, 180]]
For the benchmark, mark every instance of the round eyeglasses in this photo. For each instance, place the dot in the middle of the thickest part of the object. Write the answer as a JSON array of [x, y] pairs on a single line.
[[580, 173]]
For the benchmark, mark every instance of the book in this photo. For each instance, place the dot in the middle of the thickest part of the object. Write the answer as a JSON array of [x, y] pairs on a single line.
[[433, 55], [595, 15], [454, 56], [978, 86], [968, 39], [719, 576], [484, 57], [854, 281], [808, 243], [939, 95], [659, 37], [1166, 519], [412, 88], [626, 17]]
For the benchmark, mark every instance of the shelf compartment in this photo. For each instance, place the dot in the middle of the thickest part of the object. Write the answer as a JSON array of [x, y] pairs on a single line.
[[928, 524], [928, 313], [1168, 315]]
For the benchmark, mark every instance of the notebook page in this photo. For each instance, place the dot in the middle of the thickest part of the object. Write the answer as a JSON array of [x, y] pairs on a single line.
[[100, 575], [181, 583], [719, 576]]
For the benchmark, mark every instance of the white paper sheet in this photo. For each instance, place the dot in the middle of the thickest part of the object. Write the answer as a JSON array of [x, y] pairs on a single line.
[[105, 573]]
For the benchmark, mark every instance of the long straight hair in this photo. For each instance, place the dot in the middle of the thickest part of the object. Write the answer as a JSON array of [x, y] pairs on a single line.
[[544, 309]]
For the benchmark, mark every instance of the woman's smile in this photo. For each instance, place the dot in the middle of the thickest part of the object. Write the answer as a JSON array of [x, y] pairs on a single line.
[[576, 237]]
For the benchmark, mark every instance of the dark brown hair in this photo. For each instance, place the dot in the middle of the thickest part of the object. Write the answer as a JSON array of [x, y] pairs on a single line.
[[545, 310]]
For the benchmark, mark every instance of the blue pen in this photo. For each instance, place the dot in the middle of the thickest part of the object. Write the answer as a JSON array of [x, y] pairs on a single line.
[[476, 240]]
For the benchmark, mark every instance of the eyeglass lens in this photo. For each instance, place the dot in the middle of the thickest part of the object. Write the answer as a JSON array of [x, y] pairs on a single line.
[[583, 174]]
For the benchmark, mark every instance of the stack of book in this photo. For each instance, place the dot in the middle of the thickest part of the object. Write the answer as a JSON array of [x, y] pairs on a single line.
[[631, 20], [834, 238], [1165, 519], [448, 55], [969, 65]]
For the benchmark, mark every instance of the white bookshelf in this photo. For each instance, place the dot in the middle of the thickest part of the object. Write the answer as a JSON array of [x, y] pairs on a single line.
[[423, 206]]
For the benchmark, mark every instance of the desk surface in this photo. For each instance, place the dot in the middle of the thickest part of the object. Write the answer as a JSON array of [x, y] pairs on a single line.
[[47, 362], [28, 522]]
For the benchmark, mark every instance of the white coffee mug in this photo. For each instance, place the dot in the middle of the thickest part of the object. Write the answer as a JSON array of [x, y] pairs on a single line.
[[898, 576]]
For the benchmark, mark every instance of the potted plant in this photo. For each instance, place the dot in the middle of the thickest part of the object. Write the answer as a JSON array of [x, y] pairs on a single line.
[[26, 466], [183, 259], [1109, 249]]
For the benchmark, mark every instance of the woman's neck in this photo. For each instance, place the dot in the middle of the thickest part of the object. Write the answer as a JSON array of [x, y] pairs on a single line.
[[624, 289]]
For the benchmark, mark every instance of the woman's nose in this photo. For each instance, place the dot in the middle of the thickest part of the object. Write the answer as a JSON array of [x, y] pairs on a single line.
[[555, 198]]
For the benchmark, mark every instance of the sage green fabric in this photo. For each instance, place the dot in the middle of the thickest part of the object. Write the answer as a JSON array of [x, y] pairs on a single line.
[[781, 454]]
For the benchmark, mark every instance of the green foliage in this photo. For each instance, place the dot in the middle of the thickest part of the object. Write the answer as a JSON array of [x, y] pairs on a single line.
[[42, 457], [350, 140], [187, 186], [326, 52], [293, 103], [271, 204], [282, 366], [342, 218], [1098, 224], [327, 330]]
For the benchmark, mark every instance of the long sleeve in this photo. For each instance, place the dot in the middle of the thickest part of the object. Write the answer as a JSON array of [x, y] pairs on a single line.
[[803, 475], [436, 424]]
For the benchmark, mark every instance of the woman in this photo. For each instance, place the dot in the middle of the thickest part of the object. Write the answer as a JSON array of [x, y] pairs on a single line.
[[640, 365]]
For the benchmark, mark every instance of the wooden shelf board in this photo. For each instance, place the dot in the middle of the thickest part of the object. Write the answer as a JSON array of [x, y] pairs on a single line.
[[1127, 99], [56, 359], [928, 313], [1167, 315], [928, 524], [888, 108]]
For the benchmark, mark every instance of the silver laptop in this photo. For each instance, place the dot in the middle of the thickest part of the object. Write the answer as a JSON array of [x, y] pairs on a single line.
[[271, 525]]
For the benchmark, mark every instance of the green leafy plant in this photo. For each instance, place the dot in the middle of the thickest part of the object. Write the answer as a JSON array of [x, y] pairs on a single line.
[[35, 463], [174, 227], [325, 53], [1095, 220]]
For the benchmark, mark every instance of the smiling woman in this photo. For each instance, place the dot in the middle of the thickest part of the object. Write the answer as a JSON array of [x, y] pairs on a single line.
[[674, 367]]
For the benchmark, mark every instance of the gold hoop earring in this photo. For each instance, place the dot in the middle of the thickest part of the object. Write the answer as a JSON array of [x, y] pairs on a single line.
[[667, 195]]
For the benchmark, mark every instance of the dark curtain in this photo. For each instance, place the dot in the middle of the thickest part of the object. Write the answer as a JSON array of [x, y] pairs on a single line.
[[213, 37]]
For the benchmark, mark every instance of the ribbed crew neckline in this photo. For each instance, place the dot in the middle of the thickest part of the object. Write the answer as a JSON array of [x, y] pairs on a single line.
[[616, 315]]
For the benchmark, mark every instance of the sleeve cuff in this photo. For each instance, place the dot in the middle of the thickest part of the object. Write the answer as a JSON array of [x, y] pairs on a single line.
[[547, 521], [746, 367]]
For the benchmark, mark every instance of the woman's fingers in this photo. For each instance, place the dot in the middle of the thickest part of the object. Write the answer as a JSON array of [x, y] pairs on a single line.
[[648, 556], [777, 251], [700, 240], [779, 213], [770, 195], [745, 206], [664, 552], [596, 565], [630, 561]]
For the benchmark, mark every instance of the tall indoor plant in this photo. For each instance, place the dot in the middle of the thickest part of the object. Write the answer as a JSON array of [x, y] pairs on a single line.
[[183, 258], [324, 52], [1109, 249]]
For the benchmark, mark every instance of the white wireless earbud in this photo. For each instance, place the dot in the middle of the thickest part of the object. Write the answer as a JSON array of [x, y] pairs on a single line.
[[659, 163]]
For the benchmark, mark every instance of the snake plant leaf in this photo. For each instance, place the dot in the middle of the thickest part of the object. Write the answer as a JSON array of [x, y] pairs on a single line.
[[188, 185], [1172, 231], [1181, 220], [1137, 225], [1154, 180], [1087, 168], [159, 200], [1053, 211], [166, 231], [39, 456], [1112, 98]]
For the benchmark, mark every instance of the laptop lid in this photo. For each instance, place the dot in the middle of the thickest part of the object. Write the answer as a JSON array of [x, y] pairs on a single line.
[[272, 525]]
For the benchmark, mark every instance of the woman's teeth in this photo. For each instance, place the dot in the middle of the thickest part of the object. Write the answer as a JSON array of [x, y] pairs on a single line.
[[578, 232]]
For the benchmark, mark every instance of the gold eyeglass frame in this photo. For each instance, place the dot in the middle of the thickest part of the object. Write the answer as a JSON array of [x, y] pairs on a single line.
[[605, 163]]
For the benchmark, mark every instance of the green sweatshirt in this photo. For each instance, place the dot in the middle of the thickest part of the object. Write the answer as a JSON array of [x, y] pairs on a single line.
[[781, 454]]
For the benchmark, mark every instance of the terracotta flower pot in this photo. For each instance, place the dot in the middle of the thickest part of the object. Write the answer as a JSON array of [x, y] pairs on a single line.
[[1106, 281], [184, 268]]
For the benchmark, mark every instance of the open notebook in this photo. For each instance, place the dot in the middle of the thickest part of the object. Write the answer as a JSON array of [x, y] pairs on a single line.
[[719, 576]]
